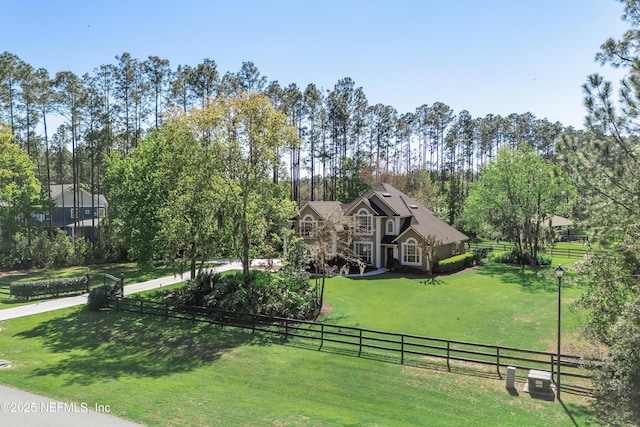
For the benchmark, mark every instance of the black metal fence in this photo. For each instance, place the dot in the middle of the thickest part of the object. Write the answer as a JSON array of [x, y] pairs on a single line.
[[403, 348]]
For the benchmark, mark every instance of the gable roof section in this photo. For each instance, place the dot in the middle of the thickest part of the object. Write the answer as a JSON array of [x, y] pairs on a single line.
[[326, 210], [58, 191]]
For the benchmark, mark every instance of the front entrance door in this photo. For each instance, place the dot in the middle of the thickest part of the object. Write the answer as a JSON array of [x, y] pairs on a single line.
[[390, 257]]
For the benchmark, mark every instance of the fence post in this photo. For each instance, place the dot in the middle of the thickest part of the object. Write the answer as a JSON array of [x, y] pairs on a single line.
[[402, 349], [448, 355], [253, 323], [286, 329], [498, 361], [321, 335], [141, 309], [360, 344], [88, 281]]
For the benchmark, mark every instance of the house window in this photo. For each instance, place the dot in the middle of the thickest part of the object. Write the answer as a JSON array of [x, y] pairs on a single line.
[[364, 222], [455, 249], [87, 211], [308, 226], [391, 226], [364, 251], [411, 254], [74, 213]]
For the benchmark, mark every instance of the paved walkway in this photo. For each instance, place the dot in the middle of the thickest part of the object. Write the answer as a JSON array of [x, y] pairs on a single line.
[[56, 304], [22, 409]]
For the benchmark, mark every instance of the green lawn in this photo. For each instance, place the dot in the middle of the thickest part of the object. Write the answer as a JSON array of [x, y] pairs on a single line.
[[169, 373], [495, 304]]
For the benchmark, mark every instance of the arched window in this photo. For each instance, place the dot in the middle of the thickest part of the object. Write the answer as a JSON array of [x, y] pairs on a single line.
[[391, 227], [411, 253], [363, 222], [308, 226]]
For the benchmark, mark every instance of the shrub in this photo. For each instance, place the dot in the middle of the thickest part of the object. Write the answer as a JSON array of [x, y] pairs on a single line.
[[279, 295], [101, 296], [455, 263], [53, 287], [514, 257]]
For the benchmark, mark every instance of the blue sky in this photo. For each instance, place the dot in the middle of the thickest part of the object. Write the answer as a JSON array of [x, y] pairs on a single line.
[[491, 56]]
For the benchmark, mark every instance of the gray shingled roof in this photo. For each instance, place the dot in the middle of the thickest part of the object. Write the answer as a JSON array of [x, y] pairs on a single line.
[[420, 219], [423, 220]]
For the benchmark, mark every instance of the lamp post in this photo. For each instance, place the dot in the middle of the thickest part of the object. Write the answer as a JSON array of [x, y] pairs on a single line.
[[559, 274]]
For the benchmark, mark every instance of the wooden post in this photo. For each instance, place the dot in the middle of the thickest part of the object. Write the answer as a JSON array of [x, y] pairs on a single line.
[[321, 335], [360, 344], [141, 309], [402, 349], [498, 361], [448, 355]]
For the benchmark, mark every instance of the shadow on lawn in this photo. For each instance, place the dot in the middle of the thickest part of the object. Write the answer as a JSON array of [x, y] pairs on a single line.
[[532, 280], [105, 346]]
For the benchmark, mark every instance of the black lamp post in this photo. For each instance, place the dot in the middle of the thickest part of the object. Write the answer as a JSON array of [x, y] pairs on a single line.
[[559, 274]]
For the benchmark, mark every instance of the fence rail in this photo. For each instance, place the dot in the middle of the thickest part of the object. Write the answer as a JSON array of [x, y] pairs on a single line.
[[564, 252], [405, 347]]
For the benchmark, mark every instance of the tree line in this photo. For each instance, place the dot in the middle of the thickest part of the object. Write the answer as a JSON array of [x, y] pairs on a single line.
[[347, 143]]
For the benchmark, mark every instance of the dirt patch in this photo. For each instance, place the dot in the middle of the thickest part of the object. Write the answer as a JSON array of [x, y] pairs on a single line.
[[326, 308], [522, 319]]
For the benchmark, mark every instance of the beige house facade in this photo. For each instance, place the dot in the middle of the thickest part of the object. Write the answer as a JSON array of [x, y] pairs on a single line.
[[385, 228]]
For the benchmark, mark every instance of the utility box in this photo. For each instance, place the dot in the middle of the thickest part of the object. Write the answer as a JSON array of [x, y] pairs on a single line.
[[511, 377], [539, 381]]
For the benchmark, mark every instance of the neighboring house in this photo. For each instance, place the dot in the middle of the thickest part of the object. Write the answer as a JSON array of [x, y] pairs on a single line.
[[389, 228], [81, 220]]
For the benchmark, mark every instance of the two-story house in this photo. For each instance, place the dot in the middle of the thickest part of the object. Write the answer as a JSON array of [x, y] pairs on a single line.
[[81, 220], [389, 228]]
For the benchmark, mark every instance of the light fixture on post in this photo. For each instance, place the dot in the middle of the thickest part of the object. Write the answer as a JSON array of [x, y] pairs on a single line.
[[559, 274]]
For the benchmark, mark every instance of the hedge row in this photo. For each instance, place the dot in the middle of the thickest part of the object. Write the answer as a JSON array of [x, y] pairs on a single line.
[[52, 287], [455, 263]]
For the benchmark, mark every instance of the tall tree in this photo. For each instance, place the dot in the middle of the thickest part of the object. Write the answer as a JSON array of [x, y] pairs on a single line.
[[10, 66], [70, 97], [157, 71], [604, 163], [19, 198], [517, 193]]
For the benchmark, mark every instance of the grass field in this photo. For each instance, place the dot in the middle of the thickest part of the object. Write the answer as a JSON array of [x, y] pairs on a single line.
[[169, 373], [495, 304]]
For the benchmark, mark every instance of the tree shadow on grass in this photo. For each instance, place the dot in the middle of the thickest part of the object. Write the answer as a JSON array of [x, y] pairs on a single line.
[[101, 346], [532, 280]]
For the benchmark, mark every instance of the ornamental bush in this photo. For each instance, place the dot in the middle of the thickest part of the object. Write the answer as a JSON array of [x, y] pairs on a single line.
[[101, 296], [53, 287], [273, 294], [455, 263], [514, 258]]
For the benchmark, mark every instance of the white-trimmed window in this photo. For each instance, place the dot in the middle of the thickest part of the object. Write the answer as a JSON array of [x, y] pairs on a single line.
[[308, 226], [411, 253], [364, 251], [391, 227], [363, 222]]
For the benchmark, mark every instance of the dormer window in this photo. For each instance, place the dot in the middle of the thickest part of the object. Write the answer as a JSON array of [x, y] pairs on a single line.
[[363, 222], [391, 227]]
